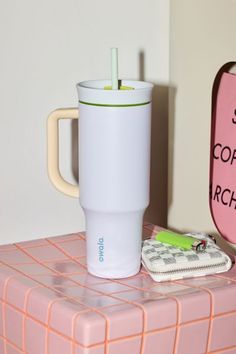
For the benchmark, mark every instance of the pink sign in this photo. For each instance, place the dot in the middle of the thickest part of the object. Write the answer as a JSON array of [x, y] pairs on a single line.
[[223, 157]]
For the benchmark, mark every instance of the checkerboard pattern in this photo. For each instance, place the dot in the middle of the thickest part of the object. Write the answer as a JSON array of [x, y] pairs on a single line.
[[166, 262], [49, 304]]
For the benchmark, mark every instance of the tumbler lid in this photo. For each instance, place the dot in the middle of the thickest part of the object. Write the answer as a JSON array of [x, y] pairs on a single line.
[[93, 92]]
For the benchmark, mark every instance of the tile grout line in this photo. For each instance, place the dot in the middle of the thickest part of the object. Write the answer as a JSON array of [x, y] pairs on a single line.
[[211, 297], [89, 307], [163, 329], [25, 317], [5, 339], [109, 295], [4, 311], [133, 303], [107, 329]]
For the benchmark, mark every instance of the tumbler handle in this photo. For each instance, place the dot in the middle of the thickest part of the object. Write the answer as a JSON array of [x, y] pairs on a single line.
[[53, 150]]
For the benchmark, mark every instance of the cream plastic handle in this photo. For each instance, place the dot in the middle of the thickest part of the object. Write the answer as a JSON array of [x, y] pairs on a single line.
[[53, 150]]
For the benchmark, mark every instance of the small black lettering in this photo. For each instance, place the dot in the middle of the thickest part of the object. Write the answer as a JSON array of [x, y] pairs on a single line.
[[234, 119], [233, 157], [214, 148], [228, 150], [232, 199], [222, 196], [217, 193]]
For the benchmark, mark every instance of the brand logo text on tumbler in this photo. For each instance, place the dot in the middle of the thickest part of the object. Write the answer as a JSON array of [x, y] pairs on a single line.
[[101, 249]]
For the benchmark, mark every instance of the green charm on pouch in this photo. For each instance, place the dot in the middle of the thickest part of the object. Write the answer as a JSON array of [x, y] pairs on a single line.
[[181, 241]]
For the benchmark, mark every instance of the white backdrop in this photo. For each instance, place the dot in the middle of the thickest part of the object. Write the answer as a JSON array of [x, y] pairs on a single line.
[[46, 48]]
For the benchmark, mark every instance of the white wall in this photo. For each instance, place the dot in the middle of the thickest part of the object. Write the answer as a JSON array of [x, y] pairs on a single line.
[[46, 47], [202, 35]]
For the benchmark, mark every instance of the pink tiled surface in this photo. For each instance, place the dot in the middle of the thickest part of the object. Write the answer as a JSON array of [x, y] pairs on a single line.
[[49, 304]]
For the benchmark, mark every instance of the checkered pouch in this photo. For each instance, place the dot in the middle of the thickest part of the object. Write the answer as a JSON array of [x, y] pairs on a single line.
[[165, 262]]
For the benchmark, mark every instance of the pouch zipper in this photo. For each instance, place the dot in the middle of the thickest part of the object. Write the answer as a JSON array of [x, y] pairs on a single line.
[[188, 269]]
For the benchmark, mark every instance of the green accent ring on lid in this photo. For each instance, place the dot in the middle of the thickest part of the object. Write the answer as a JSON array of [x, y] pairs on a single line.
[[114, 105]]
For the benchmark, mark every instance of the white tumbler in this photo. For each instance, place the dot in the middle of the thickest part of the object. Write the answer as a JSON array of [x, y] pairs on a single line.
[[114, 171]]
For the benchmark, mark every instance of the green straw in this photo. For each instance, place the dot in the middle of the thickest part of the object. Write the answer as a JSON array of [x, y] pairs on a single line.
[[114, 68]]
